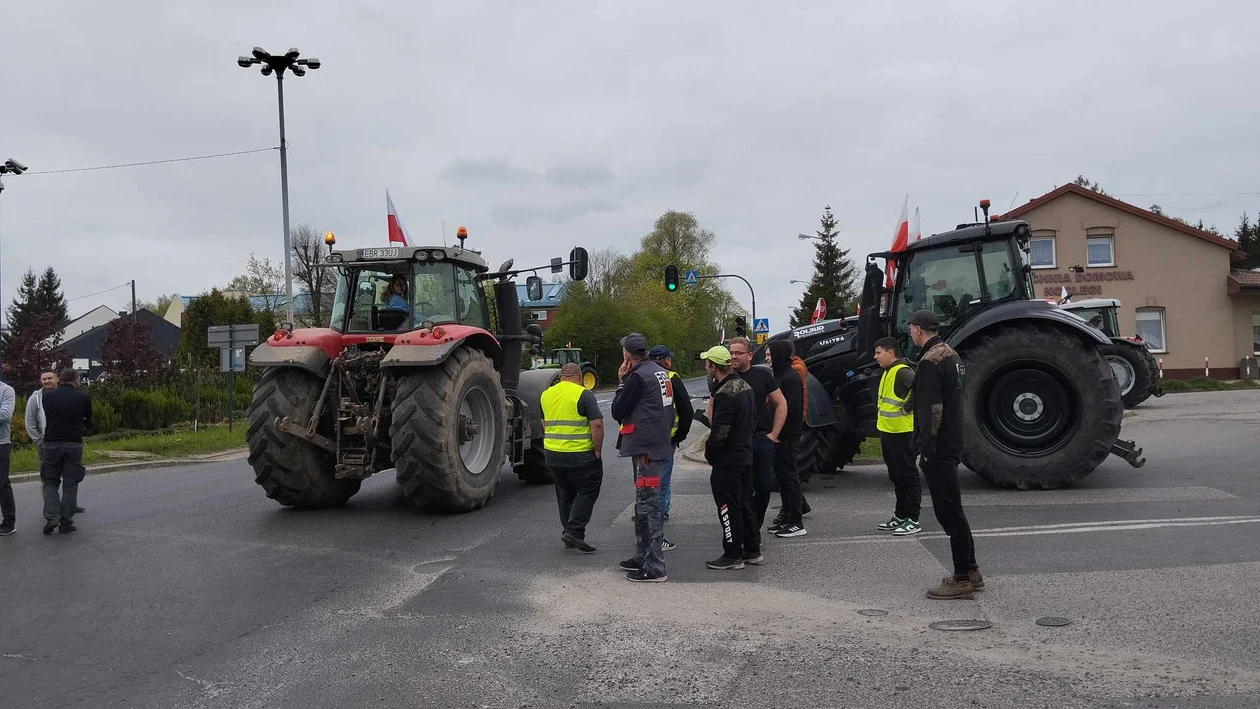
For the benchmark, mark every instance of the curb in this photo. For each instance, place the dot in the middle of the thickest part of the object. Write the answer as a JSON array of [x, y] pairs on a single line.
[[147, 464]]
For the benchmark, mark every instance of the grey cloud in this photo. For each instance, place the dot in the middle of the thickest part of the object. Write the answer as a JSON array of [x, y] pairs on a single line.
[[525, 215], [578, 175], [489, 170]]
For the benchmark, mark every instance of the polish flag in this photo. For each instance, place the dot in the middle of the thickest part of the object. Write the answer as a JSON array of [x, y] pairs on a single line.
[[918, 233], [820, 311], [900, 239], [397, 232], [1064, 296]]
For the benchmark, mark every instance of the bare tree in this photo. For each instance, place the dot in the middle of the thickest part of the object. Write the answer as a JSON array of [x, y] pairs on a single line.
[[609, 271], [261, 278], [318, 283]]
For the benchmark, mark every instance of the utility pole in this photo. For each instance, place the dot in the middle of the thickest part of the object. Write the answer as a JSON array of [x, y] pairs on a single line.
[[745, 280], [133, 299]]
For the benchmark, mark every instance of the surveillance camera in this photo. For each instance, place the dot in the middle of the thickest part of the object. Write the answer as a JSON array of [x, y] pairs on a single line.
[[244, 61], [17, 167]]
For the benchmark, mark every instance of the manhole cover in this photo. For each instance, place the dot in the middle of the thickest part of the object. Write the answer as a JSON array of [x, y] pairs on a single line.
[[1053, 621], [873, 612], [960, 625]]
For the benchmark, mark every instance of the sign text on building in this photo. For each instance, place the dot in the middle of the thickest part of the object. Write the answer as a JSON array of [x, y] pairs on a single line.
[[1064, 280]]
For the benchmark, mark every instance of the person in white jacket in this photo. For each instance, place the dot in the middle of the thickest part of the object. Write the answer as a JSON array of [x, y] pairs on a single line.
[[8, 510], [35, 421]]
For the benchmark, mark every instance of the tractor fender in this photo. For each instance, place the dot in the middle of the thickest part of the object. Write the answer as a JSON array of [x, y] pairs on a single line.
[[1025, 310], [306, 357], [530, 390], [820, 411], [413, 350]]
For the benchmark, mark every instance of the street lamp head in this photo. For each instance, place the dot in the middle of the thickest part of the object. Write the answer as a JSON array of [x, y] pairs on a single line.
[[804, 237], [244, 62], [266, 70], [311, 63], [260, 54], [297, 70], [292, 54]]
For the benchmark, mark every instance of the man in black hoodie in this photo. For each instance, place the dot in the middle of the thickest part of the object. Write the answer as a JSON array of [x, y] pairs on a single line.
[[729, 450], [779, 356], [68, 412]]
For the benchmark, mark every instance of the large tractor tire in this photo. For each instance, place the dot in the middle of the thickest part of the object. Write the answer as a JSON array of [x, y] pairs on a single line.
[[449, 430], [825, 450], [533, 469], [1132, 371], [293, 472], [590, 379], [1041, 408]]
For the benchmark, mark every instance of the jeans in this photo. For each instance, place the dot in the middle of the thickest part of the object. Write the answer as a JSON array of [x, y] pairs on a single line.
[[576, 491], [648, 522], [942, 479], [899, 458], [762, 480], [739, 530], [7, 507], [789, 482], [667, 474], [61, 466]]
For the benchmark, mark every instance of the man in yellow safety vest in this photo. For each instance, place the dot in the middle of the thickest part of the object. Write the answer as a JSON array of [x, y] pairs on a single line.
[[573, 440], [896, 438]]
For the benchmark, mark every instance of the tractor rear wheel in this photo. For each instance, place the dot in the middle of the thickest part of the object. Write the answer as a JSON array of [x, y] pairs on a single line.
[[1133, 373], [589, 378], [533, 469], [1041, 408], [294, 472], [449, 430], [825, 450]]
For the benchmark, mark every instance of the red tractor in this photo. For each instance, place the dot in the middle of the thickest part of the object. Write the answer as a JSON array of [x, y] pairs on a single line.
[[407, 376]]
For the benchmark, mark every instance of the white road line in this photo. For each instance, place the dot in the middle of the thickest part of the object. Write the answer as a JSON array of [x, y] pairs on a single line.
[[1042, 529]]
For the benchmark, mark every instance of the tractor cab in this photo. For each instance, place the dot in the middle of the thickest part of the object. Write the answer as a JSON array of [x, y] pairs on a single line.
[[1099, 312], [397, 289], [564, 355]]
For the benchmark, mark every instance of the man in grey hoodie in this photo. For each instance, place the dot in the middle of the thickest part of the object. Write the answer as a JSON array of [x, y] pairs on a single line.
[[8, 510]]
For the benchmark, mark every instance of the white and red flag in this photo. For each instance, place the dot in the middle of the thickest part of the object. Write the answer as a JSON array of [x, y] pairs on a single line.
[[900, 239], [820, 311], [918, 233], [397, 232]]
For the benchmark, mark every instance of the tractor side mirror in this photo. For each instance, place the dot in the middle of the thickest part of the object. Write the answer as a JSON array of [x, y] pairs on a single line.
[[580, 264], [533, 288]]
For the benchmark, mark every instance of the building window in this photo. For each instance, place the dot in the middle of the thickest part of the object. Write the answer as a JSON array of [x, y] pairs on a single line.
[[1100, 246], [1255, 333], [1041, 252], [1151, 328]]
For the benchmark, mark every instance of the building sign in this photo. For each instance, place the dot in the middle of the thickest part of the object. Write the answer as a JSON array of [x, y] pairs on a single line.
[[1070, 281]]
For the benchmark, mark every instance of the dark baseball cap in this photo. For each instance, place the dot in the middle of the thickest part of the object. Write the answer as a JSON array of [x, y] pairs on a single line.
[[634, 343], [660, 352], [925, 319]]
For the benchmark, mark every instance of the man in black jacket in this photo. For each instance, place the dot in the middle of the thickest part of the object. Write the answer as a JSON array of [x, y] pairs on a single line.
[[938, 439], [732, 418], [683, 416], [779, 356], [67, 412]]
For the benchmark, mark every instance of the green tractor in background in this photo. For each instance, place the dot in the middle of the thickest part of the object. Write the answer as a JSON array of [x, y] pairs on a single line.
[[562, 356]]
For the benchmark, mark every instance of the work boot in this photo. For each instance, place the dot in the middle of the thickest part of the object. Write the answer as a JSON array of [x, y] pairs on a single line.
[[977, 581], [952, 589]]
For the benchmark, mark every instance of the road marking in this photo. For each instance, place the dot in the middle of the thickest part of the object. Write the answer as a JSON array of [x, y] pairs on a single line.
[[1119, 525]]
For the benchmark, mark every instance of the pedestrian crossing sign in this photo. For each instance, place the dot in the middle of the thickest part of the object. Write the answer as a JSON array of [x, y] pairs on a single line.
[[761, 325]]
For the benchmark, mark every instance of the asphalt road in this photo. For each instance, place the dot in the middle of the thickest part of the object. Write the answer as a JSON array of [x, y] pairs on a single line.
[[186, 587]]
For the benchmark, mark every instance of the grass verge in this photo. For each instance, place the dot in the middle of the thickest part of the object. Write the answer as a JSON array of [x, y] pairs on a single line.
[[871, 449], [174, 443], [1177, 386]]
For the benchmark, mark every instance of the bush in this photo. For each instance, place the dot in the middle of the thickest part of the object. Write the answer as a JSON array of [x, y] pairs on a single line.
[[1172, 386], [150, 410], [104, 418]]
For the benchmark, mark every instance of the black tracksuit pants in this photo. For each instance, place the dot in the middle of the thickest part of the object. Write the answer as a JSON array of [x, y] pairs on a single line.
[[739, 525], [899, 458], [942, 479], [789, 479]]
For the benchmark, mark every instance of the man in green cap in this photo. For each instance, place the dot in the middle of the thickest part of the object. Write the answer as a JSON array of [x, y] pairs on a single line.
[[730, 413]]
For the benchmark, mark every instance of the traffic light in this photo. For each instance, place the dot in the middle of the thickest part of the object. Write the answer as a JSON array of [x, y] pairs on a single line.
[[671, 278], [741, 326]]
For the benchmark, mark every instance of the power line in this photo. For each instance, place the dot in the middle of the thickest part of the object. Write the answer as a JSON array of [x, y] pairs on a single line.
[[90, 295], [152, 162]]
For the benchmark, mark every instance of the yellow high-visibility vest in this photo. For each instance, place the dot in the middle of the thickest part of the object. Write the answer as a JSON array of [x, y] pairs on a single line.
[[892, 419], [564, 429], [673, 431]]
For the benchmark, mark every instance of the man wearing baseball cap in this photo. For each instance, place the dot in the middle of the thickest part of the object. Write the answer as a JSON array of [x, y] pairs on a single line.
[[683, 415], [644, 406], [732, 418], [938, 440]]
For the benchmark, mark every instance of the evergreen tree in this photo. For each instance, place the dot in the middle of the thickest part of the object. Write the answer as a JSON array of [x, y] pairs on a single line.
[[1248, 237], [834, 279], [20, 311], [49, 298]]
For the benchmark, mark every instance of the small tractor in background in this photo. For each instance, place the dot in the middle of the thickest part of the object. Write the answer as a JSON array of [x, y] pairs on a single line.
[[1130, 359], [564, 355], [1041, 406], [425, 389]]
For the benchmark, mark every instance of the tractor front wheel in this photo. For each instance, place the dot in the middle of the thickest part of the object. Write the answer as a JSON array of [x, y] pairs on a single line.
[[449, 430], [1133, 373], [589, 379]]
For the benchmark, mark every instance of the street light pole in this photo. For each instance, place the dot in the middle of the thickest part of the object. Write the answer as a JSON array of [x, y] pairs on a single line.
[[278, 64], [9, 167], [745, 280]]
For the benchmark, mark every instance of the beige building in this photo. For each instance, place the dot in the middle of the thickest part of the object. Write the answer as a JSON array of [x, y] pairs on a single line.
[[1175, 283]]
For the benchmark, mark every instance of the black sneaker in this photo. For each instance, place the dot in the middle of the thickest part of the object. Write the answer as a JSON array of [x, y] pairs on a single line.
[[779, 520], [50, 527], [794, 530], [632, 564], [6, 530], [68, 528], [564, 538], [667, 545], [575, 542], [725, 563], [79, 510], [642, 576], [755, 558]]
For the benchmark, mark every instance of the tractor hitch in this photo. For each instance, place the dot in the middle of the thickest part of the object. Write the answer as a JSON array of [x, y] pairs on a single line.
[[1129, 451]]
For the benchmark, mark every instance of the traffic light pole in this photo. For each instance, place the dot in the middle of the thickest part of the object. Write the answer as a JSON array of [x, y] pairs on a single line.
[[745, 280]]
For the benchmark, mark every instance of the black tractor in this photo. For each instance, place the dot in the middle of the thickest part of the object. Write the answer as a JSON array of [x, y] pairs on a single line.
[[1130, 359], [1042, 407]]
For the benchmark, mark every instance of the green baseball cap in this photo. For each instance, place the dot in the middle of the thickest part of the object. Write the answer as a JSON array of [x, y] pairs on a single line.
[[718, 355]]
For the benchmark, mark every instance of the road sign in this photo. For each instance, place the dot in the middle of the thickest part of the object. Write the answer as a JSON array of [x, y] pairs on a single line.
[[691, 277], [231, 335], [231, 359], [762, 338], [761, 325]]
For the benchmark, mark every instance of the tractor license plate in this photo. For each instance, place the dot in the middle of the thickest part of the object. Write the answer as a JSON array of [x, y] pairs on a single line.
[[378, 253]]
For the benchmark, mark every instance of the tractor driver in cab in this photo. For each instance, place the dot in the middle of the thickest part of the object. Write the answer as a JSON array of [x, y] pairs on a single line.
[[394, 307]]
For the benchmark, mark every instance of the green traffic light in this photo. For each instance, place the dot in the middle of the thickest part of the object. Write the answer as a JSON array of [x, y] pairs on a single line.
[[672, 286]]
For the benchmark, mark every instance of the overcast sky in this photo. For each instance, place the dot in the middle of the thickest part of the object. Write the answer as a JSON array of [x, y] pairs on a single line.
[[544, 125]]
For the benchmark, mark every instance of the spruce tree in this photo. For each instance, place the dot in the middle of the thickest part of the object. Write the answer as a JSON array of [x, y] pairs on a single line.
[[1248, 237], [834, 278], [21, 310], [49, 299]]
